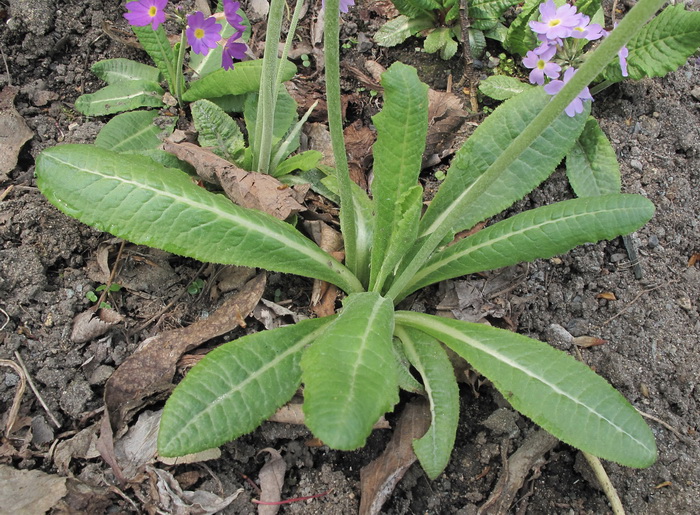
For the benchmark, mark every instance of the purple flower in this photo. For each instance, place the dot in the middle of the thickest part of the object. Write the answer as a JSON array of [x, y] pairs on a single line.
[[146, 12], [233, 50], [622, 55], [576, 105], [232, 17], [541, 66], [344, 5], [585, 31], [557, 22], [202, 34]]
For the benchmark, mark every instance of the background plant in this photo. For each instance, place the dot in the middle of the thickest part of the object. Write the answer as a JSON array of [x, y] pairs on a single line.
[[350, 363]]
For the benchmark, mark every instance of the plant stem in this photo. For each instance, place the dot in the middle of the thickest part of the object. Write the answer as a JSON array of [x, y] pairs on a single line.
[[331, 49], [594, 65], [605, 483], [178, 72]]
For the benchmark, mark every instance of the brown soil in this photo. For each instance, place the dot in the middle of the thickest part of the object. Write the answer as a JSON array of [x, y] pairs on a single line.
[[652, 330]]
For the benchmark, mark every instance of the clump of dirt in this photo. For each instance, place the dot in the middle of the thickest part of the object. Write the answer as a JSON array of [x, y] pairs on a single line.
[[48, 262]]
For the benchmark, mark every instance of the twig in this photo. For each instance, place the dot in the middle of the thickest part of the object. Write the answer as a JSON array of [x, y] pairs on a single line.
[[605, 483], [635, 299], [14, 410], [665, 424], [634, 258], [112, 274], [6, 192], [6, 321], [36, 392], [7, 68]]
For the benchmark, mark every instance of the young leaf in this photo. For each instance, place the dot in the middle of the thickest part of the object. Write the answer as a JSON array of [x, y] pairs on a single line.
[[553, 389], [520, 37], [285, 117], [662, 45], [156, 44], [502, 87], [402, 127], [484, 14], [136, 199], [455, 204], [116, 70], [349, 372], [304, 161], [539, 233], [396, 31], [235, 388], [121, 96], [427, 356], [217, 130], [591, 164], [244, 78], [414, 8], [437, 39], [133, 131]]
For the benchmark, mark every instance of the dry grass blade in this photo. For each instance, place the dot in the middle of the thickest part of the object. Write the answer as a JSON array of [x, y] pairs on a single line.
[[14, 410]]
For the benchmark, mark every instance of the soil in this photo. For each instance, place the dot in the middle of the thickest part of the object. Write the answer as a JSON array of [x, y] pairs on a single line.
[[651, 329]]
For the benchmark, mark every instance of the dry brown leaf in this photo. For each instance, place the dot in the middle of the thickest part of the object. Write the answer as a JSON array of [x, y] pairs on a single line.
[[93, 323], [608, 295], [81, 446], [695, 258], [271, 478], [248, 189], [148, 373], [29, 492], [176, 501], [379, 478], [445, 117], [588, 341], [358, 144], [323, 294], [273, 315], [14, 132]]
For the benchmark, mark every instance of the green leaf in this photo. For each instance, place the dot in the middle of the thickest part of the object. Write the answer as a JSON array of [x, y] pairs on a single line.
[[589, 7], [398, 30], [520, 37], [405, 377], [133, 131], [217, 130], [244, 78], [203, 65], [402, 126], [285, 117], [304, 162], [483, 14], [167, 160], [156, 44], [415, 8], [449, 50], [121, 96], [437, 39], [136, 199], [591, 164], [550, 387], [477, 42], [117, 70], [501, 87], [539, 233], [662, 45], [453, 204], [430, 360], [349, 372], [234, 388]]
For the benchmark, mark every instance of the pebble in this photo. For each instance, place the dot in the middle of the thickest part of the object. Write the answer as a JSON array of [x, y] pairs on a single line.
[[636, 164], [559, 337], [695, 93], [653, 241]]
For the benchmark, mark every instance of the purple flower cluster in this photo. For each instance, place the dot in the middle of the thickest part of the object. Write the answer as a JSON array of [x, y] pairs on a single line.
[[556, 25], [203, 33]]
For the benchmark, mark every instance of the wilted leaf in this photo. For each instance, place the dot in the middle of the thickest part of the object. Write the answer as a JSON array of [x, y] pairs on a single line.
[[93, 323], [248, 189], [14, 132], [82, 446], [173, 499], [445, 116], [271, 482], [608, 295], [589, 341], [29, 492]]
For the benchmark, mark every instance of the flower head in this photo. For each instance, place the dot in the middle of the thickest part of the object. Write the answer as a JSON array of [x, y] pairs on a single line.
[[233, 50], [541, 66], [585, 31], [202, 34], [146, 12], [622, 55], [556, 22], [576, 105], [232, 17], [344, 5]]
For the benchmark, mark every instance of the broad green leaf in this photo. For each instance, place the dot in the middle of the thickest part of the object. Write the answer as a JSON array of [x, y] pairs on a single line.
[[217, 130], [415, 8], [662, 45], [244, 78], [136, 199], [589, 7], [230, 103], [121, 96], [156, 44], [406, 380], [316, 178], [285, 117], [431, 361], [502, 87], [304, 162], [117, 70], [133, 131], [234, 388], [591, 164], [562, 395], [520, 37], [539, 233], [396, 31], [477, 43], [449, 50], [456, 206], [498, 32], [402, 127], [166, 159], [483, 14], [349, 372], [437, 39]]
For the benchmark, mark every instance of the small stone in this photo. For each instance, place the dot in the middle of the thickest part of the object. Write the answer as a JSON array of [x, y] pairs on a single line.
[[636, 164], [503, 421], [75, 397], [695, 93], [101, 374], [559, 337], [653, 241]]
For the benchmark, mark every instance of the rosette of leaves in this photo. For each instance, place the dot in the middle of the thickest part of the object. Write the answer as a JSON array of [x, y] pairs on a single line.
[[439, 22], [351, 364]]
